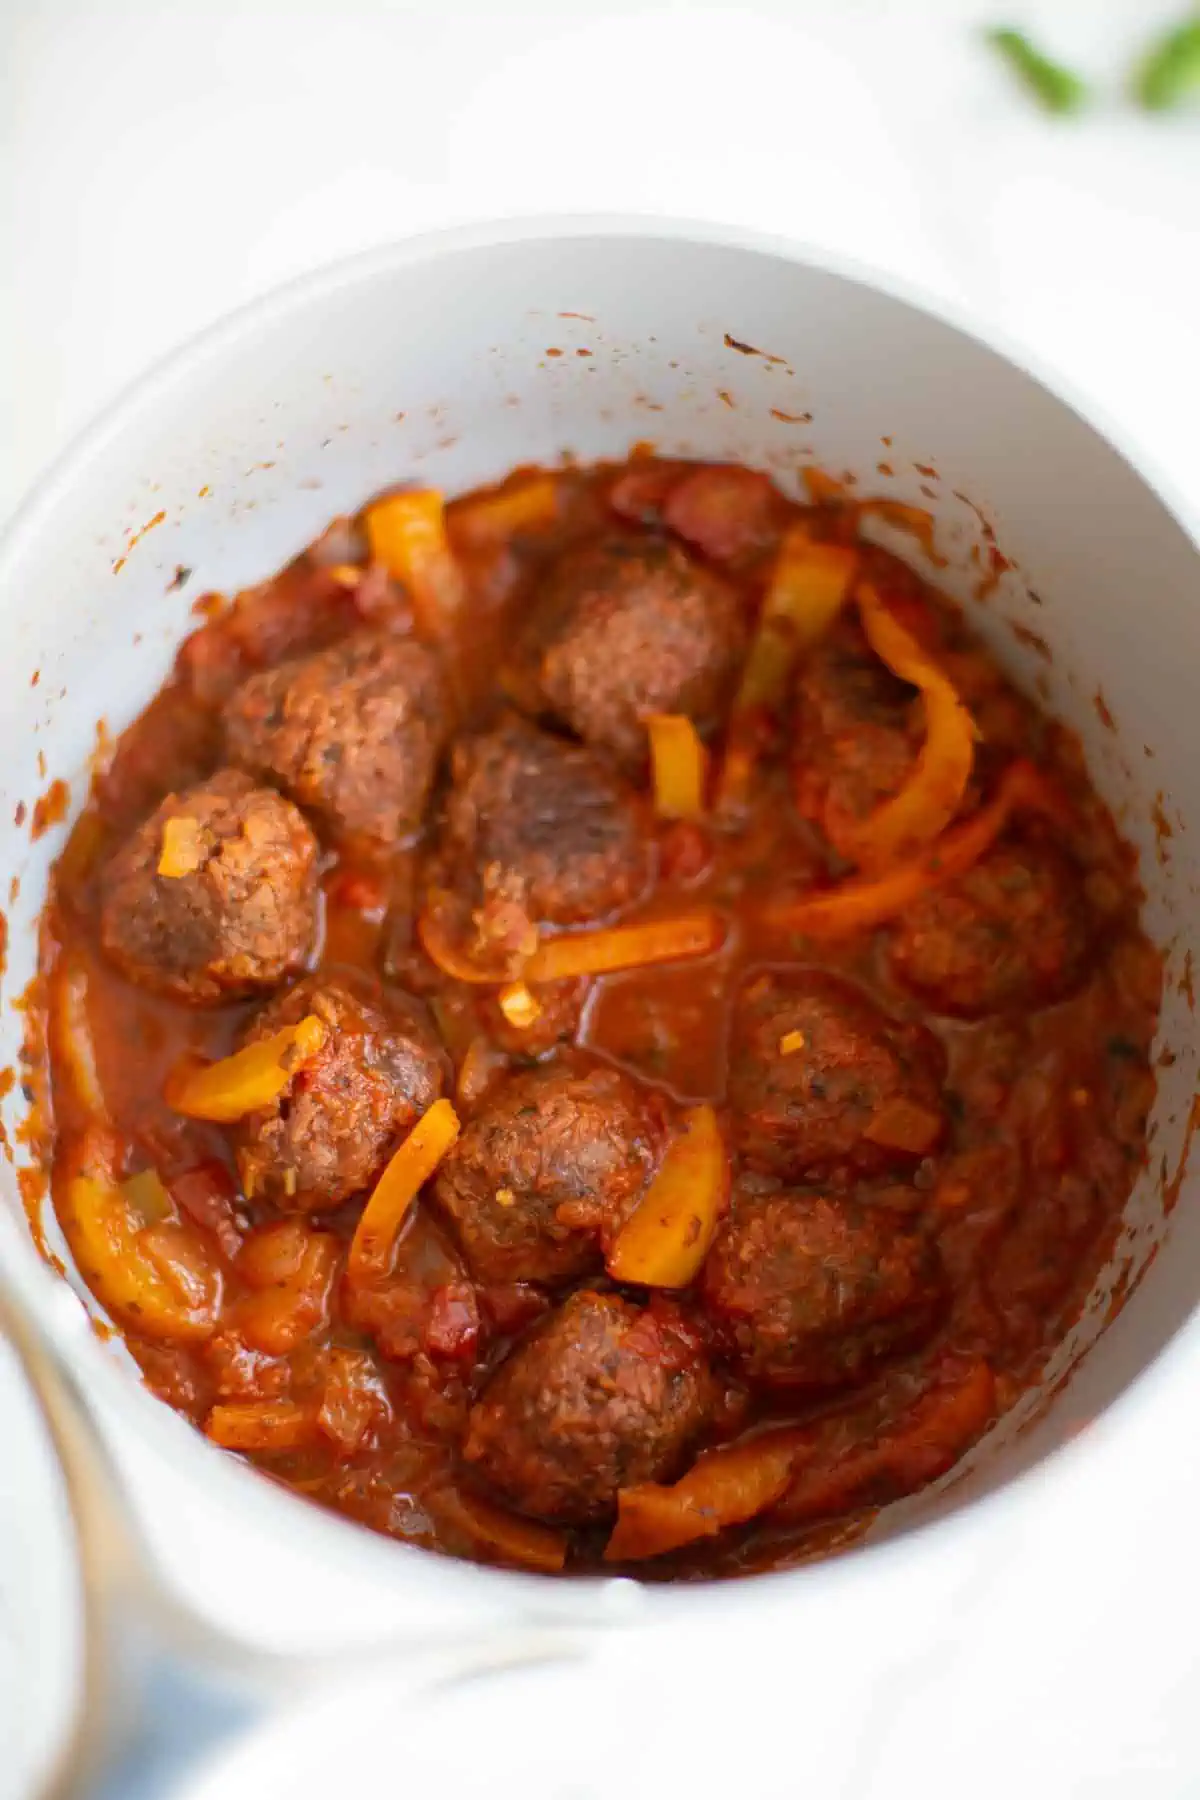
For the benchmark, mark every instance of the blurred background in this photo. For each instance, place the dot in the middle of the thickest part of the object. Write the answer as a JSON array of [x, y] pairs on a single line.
[[160, 163]]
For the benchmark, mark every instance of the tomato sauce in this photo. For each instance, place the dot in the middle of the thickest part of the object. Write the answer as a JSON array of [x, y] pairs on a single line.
[[361, 1405]]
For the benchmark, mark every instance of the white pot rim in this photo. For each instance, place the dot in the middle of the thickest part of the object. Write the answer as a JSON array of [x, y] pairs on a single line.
[[241, 1490]]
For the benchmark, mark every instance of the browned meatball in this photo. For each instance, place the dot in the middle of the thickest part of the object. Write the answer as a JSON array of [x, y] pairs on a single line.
[[822, 1081], [626, 627], [332, 1130], [354, 732], [241, 919], [857, 732], [537, 830], [555, 1157], [601, 1396], [1010, 933], [812, 1291]]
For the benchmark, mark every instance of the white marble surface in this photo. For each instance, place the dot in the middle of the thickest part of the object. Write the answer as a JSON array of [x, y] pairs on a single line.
[[162, 163]]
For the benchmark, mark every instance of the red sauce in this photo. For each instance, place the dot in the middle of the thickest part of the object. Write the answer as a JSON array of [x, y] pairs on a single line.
[[1020, 1196]]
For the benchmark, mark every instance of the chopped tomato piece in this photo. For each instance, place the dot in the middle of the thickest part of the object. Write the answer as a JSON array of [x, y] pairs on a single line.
[[354, 1400], [726, 512]]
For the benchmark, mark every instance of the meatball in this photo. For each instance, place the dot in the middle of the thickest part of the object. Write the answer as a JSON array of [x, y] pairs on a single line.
[[330, 1133], [537, 830], [857, 732], [556, 1156], [821, 1081], [629, 626], [812, 1291], [1010, 933], [601, 1396], [241, 918], [353, 732]]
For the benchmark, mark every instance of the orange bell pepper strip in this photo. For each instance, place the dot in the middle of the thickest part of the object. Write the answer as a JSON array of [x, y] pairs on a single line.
[[248, 1080], [932, 795], [722, 1488], [918, 521], [164, 1287], [863, 902], [516, 1540], [262, 1425], [667, 1238], [678, 764], [809, 586], [603, 952], [374, 1242], [406, 532], [525, 506]]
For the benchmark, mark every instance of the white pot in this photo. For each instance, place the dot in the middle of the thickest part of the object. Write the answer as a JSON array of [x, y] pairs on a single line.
[[450, 359]]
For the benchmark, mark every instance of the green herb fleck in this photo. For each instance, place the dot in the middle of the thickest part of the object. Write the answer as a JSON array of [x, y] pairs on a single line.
[[1170, 71], [1058, 89], [1123, 1048]]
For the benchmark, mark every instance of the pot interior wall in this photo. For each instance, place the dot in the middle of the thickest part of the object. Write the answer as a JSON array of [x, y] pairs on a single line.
[[447, 365]]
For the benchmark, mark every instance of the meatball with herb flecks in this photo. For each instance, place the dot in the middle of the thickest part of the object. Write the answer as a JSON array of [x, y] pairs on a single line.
[[1010, 933], [549, 1168], [811, 1290], [330, 1133], [626, 627], [215, 895], [602, 1395], [822, 1082], [354, 733], [537, 831]]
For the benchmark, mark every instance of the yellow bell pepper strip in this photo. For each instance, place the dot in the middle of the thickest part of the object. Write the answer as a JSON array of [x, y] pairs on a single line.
[[407, 533], [516, 1540], [667, 1238], [71, 1041], [250, 1079], [283, 1312], [603, 952], [863, 902], [932, 795], [679, 764], [520, 1007], [526, 506], [809, 587], [722, 1488], [374, 1243], [262, 1425], [183, 848], [137, 1281]]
